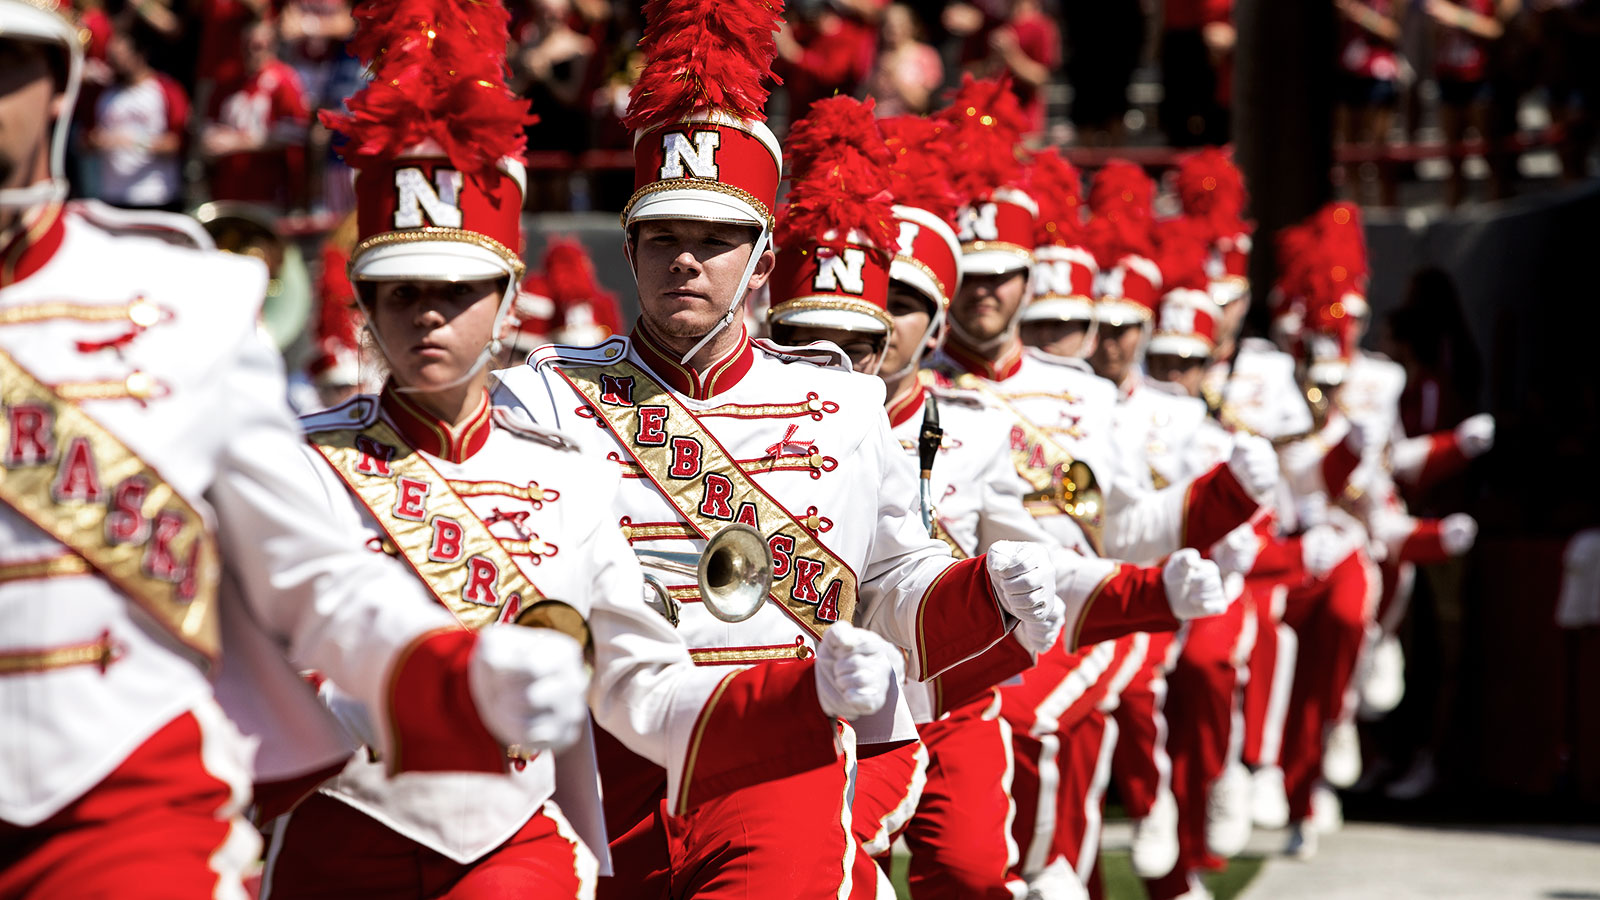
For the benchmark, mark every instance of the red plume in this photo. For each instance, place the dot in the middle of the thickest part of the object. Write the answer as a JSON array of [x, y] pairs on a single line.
[[1211, 190], [1057, 185], [838, 165], [569, 272], [919, 165], [1181, 252], [1122, 221], [986, 127], [438, 73], [705, 54], [1321, 260]]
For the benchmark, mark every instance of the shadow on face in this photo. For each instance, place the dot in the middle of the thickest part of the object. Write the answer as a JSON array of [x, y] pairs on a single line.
[[1185, 371], [986, 304], [1057, 338], [689, 272]]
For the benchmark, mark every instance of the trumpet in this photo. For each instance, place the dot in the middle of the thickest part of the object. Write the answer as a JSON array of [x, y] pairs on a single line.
[[734, 573]]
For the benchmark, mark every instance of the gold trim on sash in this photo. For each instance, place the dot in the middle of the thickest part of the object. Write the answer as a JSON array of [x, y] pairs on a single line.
[[77, 481], [385, 473], [813, 584], [57, 567], [1062, 480]]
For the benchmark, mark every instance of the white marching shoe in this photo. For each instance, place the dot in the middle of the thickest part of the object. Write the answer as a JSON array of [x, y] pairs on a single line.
[[1383, 684], [1197, 890], [1228, 812], [1155, 838], [1302, 841], [1327, 810], [1341, 759], [1269, 804], [1057, 882]]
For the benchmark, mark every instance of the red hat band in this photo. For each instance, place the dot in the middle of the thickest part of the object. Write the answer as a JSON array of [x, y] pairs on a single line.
[[927, 256], [1129, 291], [711, 167], [1062, 285], [831, 287], [996, 234], [421, 217], [1186, 324]]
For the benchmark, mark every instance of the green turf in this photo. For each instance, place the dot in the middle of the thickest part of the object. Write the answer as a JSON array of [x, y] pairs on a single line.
[[1121, 883]]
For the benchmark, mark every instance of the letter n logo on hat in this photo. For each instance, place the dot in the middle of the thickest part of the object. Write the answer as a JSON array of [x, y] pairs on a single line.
[[978, 223], [700, 159], [842, 272], [438, 203]]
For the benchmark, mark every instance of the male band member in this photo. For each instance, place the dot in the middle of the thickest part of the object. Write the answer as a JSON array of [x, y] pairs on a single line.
[[157, 537], [710, 428]]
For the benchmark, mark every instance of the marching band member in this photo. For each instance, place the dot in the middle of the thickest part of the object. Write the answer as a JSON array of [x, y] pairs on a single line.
[[709, 427], [162, 551]]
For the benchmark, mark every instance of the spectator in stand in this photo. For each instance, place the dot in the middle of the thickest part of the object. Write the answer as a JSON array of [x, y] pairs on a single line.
[[830, 50], [223, 24], [136, 130], [553, 65], [908, 71], [255, 135], [1014, 37], [1464, 34], [314, 34], [1105, 39], [1369, 76], [1197, 41]]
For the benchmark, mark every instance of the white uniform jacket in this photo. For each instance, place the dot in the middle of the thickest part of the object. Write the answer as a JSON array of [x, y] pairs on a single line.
[[158, 344]]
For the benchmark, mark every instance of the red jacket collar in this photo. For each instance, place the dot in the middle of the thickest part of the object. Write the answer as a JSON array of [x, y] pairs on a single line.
[[424, 431], [721, 375], [32, 247], [1006, 363], [906, 408]]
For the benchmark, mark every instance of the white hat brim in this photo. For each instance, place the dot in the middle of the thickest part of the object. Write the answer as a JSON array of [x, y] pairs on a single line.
[[429, 261]]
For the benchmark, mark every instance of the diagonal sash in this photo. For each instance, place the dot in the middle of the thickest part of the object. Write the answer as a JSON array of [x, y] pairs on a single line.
[[441, 538], [700, 478], [1055, 475], [79, 483]]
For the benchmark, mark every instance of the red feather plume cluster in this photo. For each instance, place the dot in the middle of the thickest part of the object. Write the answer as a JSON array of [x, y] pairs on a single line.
[[438, 73], [919, 165], [1121, 220], [985, 128], [1181, 248], [838, 165], [705, 54], [569, 273], [1211, 189], [1057, 186], [1321, 260]]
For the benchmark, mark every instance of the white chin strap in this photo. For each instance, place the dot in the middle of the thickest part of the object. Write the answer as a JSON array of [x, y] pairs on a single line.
[[34, 195], [738, 296], [489, 352], [914, 362]]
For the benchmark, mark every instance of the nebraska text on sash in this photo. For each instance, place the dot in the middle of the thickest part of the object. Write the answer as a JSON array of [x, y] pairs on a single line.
[[704, 483], [79, 483]]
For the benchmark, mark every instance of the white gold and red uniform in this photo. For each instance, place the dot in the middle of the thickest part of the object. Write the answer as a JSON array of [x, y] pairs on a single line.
[[115, 745], [814, 440]]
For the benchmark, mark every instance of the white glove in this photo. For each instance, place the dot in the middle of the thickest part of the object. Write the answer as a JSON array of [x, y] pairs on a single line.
[[1322, 547], [530, 686], [1255, 464], [855, 669], [1236, 552], [1476, 435], [1365, 436], [351, 713], [1025, 581], [1457, 533], [1194, 585]]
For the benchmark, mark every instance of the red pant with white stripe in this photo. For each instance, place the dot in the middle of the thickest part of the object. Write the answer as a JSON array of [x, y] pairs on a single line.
[[1141, 766], [1204, 699], [327, 849], [889, 784], [960, 838], [1330, 617], [164, 825], [1272, 665]]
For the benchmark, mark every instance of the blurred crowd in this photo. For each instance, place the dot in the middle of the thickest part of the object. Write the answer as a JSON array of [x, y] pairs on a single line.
[[195, 100]]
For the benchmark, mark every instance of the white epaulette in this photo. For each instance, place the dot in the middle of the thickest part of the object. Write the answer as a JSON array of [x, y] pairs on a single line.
[[175, 229], [823, 354], [608, 350], [516, 420], [357, 412]]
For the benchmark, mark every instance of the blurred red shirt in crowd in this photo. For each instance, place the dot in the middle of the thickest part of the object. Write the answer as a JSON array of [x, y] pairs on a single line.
[[257, 127], [830, 53]]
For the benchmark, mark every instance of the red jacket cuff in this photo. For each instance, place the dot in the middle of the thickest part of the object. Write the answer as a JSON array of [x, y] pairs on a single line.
[[1278, 556], [762, 723], [960, 617], [1130, 599], [972, 678], [1423, 545], [1337, 464], [1445, 460], [1215, 504], [434, 724]]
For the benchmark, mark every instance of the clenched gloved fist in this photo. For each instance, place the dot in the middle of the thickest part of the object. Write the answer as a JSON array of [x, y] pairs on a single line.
[[1322, 547], [1457, 533], [1255, 464], [1365, 435], [1025, 581], [1475, 434], [855, 669], [1194, 585], [530, 686], [1236, 552]]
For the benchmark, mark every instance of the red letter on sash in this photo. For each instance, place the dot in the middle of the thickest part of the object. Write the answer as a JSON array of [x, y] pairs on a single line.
[[481, 576], [805, 580], [446, 540], [718, 490], [374, 457], [409, 505], [651, 418], [828, 609], [126, 522], [32, 437], [782, 546], [685, 458], [77, 478], [159, 560]]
